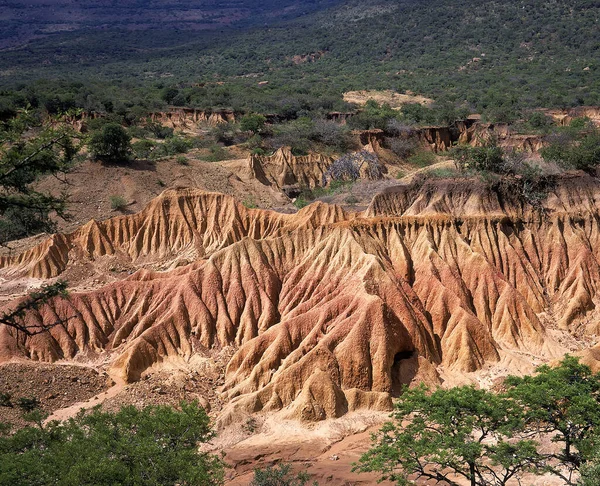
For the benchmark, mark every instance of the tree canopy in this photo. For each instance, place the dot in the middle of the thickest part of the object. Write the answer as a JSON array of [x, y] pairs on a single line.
[[489, 438], [156, 445]]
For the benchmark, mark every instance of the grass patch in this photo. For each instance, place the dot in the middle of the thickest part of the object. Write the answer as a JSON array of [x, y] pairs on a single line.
[[118, 203], [422, 159]]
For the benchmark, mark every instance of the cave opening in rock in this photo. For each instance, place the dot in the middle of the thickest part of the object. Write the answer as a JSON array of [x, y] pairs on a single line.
[[404, 370]]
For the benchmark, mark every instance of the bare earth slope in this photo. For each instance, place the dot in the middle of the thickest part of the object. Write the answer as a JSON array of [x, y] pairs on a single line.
[[327, 311]]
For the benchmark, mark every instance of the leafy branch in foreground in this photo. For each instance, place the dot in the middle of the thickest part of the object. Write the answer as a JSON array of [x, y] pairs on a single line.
[[24, 158], [15, 317]]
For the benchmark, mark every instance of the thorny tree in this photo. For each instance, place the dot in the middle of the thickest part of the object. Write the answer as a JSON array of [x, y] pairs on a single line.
[[30, 149]]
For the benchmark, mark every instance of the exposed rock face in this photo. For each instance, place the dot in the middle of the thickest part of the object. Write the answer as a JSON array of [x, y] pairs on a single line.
[[441, 139], [565, 117], [185, 118], [285, 169], [328, 311]]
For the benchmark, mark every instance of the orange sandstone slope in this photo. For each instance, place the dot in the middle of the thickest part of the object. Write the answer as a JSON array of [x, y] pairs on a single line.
[[327, 311]]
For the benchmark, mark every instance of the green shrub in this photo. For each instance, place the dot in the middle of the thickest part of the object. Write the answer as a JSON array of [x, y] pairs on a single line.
[[182, 160], [280, 475], [422, 159], [217, 154], [574, 149], [176, 145], [142, 149], [28, 404], [157, 445], [118, 203], [252, 122], [5, 400], [111, 144], [488, 157]]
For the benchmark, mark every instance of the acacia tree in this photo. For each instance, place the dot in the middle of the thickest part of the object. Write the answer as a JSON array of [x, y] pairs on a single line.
[[28, 151], [564, 402], [462, 432]]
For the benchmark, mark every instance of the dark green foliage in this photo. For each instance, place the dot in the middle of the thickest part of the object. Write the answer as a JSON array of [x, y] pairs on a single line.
[[280, 475], [462, 431], [422, 158], [225, 133], [112, 144], [539, 121], [402, 147], [13, 318], [5, 400], [528, 54], [157, 445], [252, 122], [373, 115], [508, 172], [142, 149], [565, 403], [175, 145], [216, 154], [29, 151], [305, 135], [118, 203], [488, 157], [28, 404], [577, 147], [489, 438]]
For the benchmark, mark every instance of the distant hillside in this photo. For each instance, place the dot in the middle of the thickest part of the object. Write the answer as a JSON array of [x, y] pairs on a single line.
[[24, 21], [492, 56]]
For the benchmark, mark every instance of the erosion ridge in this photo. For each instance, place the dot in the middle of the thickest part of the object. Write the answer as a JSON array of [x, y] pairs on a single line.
[[328, 311]]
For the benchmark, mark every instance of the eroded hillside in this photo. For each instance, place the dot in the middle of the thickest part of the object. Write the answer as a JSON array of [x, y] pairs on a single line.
[[326, 311]]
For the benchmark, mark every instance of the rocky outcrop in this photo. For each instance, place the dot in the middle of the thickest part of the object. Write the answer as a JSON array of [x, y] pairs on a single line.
[[565, 117], [328, 311], [186, 118], [469, 132], [286, 169]]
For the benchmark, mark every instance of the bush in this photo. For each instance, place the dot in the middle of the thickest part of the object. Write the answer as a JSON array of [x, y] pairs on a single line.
[[539, 121], [279, 475], [28, 404], [575, 148], [402, 147], [118, 203], [225, 133], [462, 431], [373, 115], [142, 149], [489, 157], [5, 400], [217, 154], [332, 135], [155, 445], [296, 134], [176, 145], [252, 122], [422, 159], [111, 144]]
